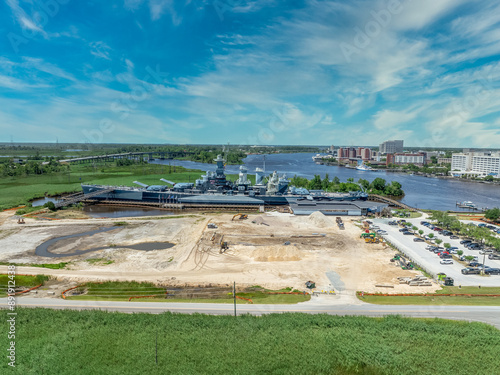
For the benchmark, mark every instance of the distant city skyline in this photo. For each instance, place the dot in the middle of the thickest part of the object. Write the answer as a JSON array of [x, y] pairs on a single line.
[[259, 72]]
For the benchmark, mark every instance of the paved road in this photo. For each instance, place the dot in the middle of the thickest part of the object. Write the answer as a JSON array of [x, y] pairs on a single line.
[[318, 305], [430, 261]]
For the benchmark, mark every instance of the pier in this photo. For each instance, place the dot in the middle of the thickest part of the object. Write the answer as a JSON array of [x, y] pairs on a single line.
[[390, 202]]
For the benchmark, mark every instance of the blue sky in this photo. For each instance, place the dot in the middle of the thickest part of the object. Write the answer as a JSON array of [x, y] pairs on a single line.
[[251, 72]]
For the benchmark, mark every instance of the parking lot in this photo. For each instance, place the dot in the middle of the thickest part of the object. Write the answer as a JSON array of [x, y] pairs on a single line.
[[431, 261]]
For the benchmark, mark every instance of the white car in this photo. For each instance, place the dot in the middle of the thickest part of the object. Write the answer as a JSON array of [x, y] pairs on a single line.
[[381, 231], [446, 261]]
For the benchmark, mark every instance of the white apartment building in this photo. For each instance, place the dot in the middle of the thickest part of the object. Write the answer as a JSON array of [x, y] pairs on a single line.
[[479, 164], [417, 159]]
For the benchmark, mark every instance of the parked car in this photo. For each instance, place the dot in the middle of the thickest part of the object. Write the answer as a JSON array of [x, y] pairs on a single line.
[[492, 271], [424, 222], [463, 242], [494, 256], [481, 225], [453, 237], [392, 223], [408, 233], [473, 246], [470, 271], [404, 230], [445, 256], [491, 227], [486, 251], [446, 233], [368, 221], [475, 264], [446, 261], [462, 258], [418, 239], [452, 251]]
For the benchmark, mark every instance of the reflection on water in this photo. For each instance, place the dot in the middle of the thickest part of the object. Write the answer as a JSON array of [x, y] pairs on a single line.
[[42, 201], [115, 212]]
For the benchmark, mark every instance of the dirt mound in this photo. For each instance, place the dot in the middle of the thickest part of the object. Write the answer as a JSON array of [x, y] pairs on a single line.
[[318, 219], [259, 220], [277, 254]]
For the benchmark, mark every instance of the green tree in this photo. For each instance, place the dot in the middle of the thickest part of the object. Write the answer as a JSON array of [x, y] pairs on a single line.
[[315, 183], [336, 180], [438, 241], [431, 235], [420, 231], [460, 253], [447, 245], [378, 184], [492, 214], [50, 205], [325, 183]]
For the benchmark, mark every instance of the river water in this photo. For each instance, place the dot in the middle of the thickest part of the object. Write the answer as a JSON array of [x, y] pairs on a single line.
[[421, 192]]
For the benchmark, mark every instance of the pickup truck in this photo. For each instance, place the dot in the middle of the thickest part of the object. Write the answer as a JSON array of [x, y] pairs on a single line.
[[471, 271]]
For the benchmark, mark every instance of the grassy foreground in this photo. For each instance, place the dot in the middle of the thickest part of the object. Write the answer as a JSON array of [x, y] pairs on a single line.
[[96, 342], [438, 299], [26, 281]]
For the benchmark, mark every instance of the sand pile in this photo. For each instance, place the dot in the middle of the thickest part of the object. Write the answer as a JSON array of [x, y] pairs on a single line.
[[277, 254], [319, 220], [259, 220]]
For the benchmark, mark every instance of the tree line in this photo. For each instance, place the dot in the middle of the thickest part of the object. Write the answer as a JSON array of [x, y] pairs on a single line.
[[377, 186]]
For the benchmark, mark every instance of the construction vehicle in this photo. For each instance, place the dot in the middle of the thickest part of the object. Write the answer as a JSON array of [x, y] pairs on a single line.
[[212, 226], [310, 284], [223, 245], [448, 281], [240, 216], [370, 234], [372, 240]]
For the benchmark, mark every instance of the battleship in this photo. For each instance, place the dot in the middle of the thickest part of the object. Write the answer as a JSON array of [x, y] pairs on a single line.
[[214, 188]]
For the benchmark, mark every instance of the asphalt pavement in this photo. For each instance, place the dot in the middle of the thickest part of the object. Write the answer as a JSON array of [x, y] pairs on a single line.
[[317, 305], [430, 261]]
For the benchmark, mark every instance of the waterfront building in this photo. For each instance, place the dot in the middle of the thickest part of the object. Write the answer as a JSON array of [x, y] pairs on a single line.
[[391, 147], [403, 159], [444, 160], [478, 164]]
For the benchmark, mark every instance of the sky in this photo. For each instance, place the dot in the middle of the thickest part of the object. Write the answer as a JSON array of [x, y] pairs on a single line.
[[256, 72]]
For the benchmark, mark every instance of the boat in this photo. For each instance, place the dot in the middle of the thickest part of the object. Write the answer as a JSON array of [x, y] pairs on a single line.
[[467, 204], [214, 189], [318, 158], [363, 167]]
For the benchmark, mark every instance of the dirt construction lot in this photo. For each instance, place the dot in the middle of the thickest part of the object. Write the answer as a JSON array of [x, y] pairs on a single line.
[[273, 250]]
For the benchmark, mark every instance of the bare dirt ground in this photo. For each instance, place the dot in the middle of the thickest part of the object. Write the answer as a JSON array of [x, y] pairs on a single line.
[[273, 250]]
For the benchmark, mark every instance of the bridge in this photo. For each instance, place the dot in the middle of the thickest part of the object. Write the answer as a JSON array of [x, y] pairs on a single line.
[[78, 198], [128, 155], [390, 202]]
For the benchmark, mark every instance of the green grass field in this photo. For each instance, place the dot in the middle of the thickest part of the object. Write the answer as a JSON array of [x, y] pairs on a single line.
[[20, 190], [97, 342], [21, 281], [438, 299]]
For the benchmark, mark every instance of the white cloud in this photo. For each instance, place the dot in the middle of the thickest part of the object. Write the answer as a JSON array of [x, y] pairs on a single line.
[[23, 19], [100, 49]]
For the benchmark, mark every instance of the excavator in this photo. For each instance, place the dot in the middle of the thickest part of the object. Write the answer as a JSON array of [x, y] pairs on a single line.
[[240, 216], [223, 245]]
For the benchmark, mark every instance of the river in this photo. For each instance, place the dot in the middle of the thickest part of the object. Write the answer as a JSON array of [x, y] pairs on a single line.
[[421, 192]]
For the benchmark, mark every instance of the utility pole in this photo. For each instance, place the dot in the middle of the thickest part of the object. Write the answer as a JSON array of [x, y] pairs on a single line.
[[234, 297]]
